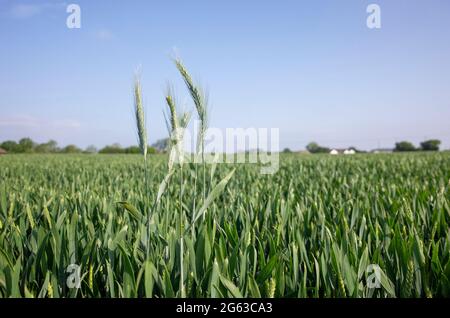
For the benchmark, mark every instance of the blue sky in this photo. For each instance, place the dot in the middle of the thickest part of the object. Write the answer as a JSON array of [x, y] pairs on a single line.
[[311, 68]]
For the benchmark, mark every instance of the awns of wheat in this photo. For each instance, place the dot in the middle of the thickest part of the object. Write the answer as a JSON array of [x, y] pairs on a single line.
[[140, 116], [199, 98]]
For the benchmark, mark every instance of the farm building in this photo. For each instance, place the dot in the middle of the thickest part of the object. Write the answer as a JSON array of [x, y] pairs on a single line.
[[3, 151], [334, 152], [382, 150], [349, 151]]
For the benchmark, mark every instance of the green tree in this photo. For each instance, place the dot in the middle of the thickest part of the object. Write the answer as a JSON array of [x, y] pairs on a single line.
[[71, 149], [313, 147], [25, 145], [47, 147], [132, 150], [10, 146], [430, 145], [114, 148], [287, 150], [404, 146]]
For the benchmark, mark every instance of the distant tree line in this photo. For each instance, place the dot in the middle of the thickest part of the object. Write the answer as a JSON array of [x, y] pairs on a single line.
[[27, 145], [314, 147], [116, 148], [427, 145]]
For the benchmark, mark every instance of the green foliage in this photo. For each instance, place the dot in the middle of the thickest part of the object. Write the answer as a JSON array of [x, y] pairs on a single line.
[[313, 147], [132, 149], [430, 145], [310, 230], [117, 149], [25, 145], [404, 146], [48, 147], [114, 148], [71, 149], [152, 150], [9, 146]]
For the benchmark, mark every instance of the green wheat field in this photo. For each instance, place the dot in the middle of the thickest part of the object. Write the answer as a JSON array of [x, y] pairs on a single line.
[[311, 230]]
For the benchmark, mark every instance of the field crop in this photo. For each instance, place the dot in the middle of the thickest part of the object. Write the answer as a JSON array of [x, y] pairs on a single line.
[[320, 227]]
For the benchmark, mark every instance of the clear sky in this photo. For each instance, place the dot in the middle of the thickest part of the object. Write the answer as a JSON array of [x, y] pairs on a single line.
[[311, 68]]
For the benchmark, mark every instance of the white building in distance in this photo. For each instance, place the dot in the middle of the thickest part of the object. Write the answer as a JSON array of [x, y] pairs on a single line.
[[342, 151]]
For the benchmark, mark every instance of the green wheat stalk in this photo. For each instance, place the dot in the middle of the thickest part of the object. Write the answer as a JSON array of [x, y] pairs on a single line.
[[200, 100], [142, 139], [177, 127], [140, 116]]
